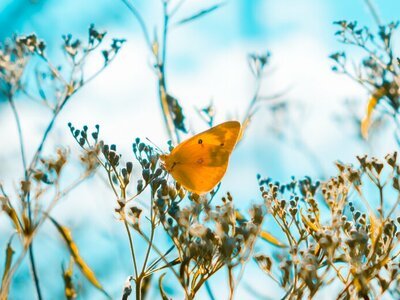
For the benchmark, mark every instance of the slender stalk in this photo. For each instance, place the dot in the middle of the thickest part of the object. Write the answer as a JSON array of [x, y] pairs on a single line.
[[132, 249], [46, 133], [165, 33], [209, 290], [397, 203], [138, 288], [165, 107], [177, 7], [250, 109], [150, 243], [231, 283], [380, 188], [140, 19], [163, 95], [19, 128], [373, 12], [34, 271]]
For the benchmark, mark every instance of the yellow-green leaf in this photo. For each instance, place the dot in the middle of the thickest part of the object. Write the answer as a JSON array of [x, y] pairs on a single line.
[[155, 47], [69, 290], [266, 236], [239, 216], [10, 211], [7, 266], [80, 262], [307, 222], [373, 228], [372, 103]]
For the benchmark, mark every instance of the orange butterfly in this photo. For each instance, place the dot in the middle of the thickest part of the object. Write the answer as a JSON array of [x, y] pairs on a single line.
[[200, 162]]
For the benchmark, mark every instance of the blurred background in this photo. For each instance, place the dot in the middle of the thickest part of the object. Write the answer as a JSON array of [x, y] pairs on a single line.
[[207, 62]]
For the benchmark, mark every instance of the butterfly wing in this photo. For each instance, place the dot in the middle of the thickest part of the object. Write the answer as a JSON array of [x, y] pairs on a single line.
[[200, 162]]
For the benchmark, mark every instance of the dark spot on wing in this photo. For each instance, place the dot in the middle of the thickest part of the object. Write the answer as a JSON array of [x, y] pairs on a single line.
[[222, 144], [200, 141]]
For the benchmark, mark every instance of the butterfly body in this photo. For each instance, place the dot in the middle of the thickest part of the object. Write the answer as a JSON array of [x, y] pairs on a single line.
[[200, 162]]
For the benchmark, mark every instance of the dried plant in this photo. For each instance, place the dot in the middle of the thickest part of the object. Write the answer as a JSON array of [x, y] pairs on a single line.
[[41, 186], [378, 72], [337, 233]]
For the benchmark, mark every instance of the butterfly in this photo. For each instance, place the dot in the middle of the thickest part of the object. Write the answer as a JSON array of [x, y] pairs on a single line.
[[200, 162]]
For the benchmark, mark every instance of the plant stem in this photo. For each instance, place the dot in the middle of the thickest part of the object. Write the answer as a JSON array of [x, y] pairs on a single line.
[[374, 12], [139, 18], [380, 188], [231, 282], [150, 243], [20, 136], [209, 291], [46, 133], [34, 272], [132, 248], [165, 33], [138, 288], [162, 87]]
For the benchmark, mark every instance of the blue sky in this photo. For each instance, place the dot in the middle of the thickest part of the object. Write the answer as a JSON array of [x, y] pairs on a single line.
[[206, 61]]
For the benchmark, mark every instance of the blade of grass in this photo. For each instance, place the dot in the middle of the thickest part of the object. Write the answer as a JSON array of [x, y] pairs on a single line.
[[199, 14], [80, 262]]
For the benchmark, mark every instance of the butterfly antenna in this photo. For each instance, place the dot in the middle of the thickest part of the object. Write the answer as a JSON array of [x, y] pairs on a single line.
[[155, 146]]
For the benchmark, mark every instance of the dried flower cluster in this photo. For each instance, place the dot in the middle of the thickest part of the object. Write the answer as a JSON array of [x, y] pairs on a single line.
[[336, 233], [378, 71], [41, 182]]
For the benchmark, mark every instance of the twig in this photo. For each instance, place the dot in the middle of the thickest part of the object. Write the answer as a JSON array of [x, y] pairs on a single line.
[[132, 248], [374, 12], [209, 290], [20, 135], [176, 8], [140, 19], [163, 94]]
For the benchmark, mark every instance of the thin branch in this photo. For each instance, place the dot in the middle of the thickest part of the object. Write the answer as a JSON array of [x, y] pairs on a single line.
[[34, 272], [176, 8], [152, 220], [374, 12], [20, 135], [132, 248], [209, 290], [163, 95], [140, 19]]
